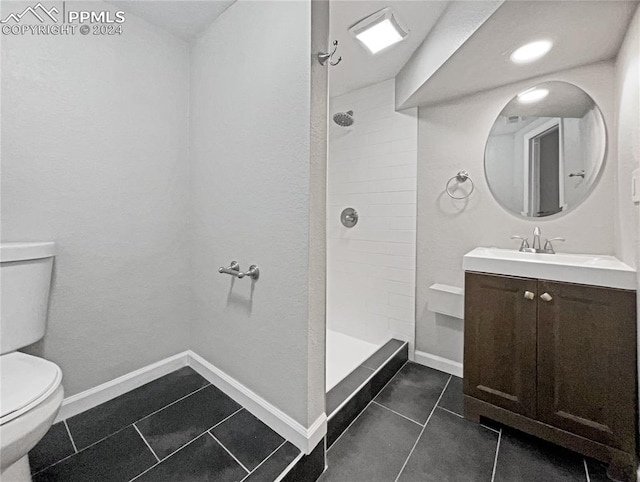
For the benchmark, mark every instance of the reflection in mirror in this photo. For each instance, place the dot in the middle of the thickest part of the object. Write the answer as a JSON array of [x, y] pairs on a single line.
[[545, 150]]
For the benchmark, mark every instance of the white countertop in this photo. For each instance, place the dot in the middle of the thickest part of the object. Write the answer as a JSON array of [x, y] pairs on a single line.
[[589, 269]]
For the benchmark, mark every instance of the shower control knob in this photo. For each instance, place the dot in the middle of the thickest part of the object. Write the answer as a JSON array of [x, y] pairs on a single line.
[[349, 217]]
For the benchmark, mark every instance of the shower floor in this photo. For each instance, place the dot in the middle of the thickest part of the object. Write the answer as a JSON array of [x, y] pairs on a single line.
[[344, 354]]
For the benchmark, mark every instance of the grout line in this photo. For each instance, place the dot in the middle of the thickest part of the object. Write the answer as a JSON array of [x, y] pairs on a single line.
[[116, 432], [369, 378], [267, 458], [229, 452], [398, 413], [170, 455], [289, 467], [173, 403], [492, 429], [586, 469], [423, 428], [223, 420], [183, 446], [70, 436], [146, 443], [495, 460], [451, 412], [462, 417], [365, 408], [82, 449]]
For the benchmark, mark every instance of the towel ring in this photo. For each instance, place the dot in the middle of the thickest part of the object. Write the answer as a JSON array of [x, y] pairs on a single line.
[[461, 177]]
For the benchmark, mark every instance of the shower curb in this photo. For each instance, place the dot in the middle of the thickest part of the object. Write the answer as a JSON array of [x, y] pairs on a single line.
[[356, 401]]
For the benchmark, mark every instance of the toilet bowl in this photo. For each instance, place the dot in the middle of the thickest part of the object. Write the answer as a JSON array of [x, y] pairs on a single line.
[[30, 387], [30, 399]]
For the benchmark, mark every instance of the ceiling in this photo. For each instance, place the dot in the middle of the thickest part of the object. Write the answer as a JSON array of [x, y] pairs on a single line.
[[184, 18], [563, 100], [358, 67], [583, 32], [502, 126]]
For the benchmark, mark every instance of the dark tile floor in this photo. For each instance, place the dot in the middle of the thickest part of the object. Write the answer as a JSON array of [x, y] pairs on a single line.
[[176, 428], [414, 431]]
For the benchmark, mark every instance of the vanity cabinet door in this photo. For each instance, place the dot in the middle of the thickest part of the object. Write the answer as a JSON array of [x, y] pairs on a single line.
[[500, 341], [587, 361]]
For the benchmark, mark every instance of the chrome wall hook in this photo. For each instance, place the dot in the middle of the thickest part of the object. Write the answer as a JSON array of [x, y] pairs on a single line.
[[234, 270], [323, 57]]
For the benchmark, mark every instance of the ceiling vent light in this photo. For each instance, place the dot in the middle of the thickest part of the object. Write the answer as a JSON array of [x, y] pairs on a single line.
[[379, 30], [532, 95], [531, 52]]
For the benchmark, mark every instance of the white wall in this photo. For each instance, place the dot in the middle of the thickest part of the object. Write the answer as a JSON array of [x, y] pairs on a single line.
[[627, 77], [628, 135], [452, 136], [372, 168], [251, 144], [94, 153]]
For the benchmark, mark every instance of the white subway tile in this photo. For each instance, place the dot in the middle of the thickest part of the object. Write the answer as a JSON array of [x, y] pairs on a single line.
[[372, 167], [401, 327], [388, 210], [403, 301], [392, 185], [400, 287], [403, 197], [404, 145], [399, 158], [401, 313], [404, 170]]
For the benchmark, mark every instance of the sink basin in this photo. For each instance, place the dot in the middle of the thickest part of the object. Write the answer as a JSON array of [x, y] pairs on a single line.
[[589, 269]]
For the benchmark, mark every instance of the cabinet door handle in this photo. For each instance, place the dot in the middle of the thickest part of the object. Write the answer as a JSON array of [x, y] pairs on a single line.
[[546, 297], [529, 295]]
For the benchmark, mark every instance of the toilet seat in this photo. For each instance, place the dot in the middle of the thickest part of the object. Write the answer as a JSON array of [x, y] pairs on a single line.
[[25, 381]]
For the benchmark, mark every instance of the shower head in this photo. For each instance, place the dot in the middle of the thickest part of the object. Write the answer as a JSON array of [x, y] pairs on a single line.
[[343, 119]]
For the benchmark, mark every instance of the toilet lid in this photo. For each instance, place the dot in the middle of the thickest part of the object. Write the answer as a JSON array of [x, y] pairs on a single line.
[[25, 381]]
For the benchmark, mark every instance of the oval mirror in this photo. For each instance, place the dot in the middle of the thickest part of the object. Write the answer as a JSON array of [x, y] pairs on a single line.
[[545, 150]]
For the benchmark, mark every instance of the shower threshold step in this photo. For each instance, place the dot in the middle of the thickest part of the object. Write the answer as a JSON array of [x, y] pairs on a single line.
[[348, 398]]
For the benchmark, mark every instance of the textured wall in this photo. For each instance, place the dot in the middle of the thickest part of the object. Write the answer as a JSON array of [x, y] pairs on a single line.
[[94, 153], [372, 168], [250, 192], [452, 136]]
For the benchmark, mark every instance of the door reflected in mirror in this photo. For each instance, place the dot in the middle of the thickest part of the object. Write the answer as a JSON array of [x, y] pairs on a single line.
[[545, 150]]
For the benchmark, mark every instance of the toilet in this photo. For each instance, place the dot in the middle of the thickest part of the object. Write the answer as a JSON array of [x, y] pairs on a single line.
[[30, 387]]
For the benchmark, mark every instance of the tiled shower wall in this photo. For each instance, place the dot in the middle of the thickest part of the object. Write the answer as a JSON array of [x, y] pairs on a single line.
[[372, 168]]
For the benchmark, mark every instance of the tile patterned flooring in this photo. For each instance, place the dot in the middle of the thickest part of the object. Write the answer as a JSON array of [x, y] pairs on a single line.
[[176, 428], [181, 428], [414, 431]]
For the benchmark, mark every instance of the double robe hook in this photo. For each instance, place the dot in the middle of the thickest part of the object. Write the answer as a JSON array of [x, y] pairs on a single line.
[[323, 57]]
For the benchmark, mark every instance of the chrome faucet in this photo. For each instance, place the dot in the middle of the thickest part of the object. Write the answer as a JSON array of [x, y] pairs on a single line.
[[536, 245], [536, 239]]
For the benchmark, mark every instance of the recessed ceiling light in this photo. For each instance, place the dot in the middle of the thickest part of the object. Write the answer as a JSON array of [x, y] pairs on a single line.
[[532, 95], [531, 51], [379, 30]]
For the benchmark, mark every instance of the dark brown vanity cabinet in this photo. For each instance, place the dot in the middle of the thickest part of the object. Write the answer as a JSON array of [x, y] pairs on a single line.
[[557, 360]]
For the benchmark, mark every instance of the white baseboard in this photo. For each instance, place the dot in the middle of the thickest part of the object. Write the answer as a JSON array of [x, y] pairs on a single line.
[[439, 363], [93, 397], [305, 439]]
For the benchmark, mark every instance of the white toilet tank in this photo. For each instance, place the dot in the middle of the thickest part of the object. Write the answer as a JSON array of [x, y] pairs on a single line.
[[25, 280]]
